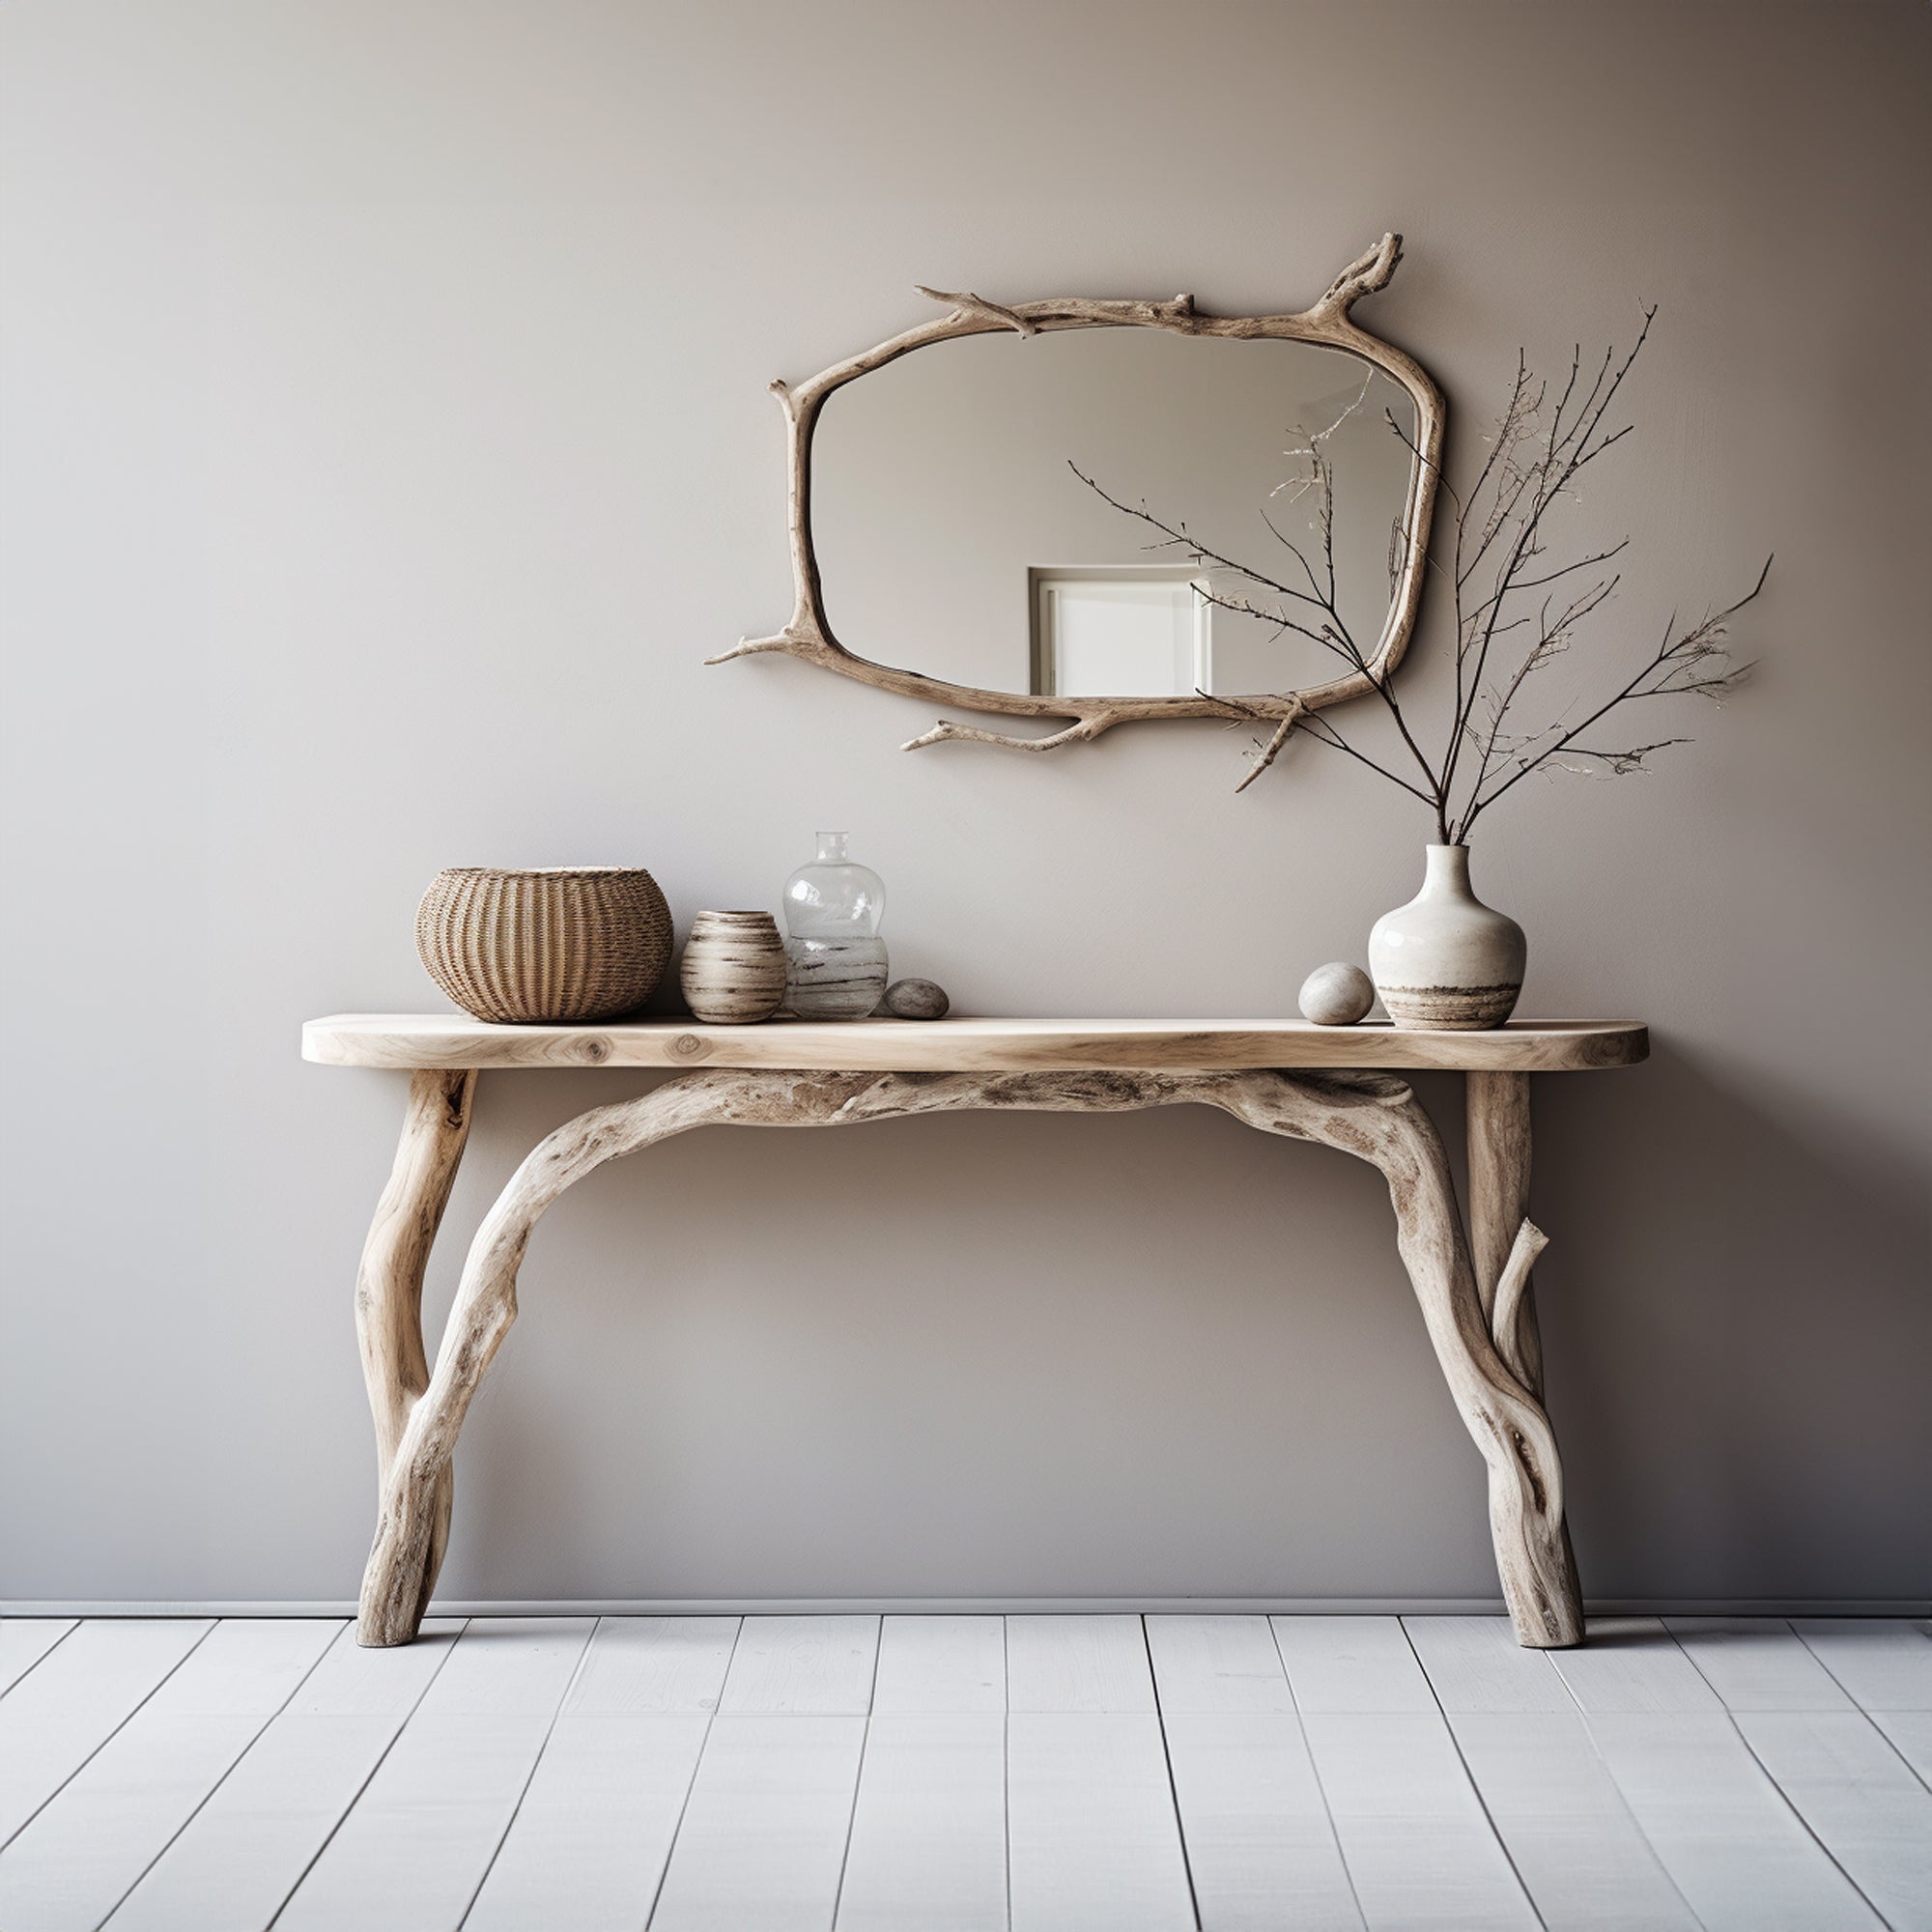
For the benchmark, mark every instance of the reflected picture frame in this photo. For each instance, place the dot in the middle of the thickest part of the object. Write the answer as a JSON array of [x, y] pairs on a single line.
[[1048, 587]]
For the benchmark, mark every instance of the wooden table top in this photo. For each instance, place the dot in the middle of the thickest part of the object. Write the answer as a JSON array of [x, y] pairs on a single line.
[[969, 1045]]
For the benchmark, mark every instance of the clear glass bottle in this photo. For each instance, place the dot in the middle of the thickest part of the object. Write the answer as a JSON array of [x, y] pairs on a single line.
[[836, 961]]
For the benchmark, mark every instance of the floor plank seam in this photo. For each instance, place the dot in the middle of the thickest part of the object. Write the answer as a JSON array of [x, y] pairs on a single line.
[[1007, 1763], [1173, 1788], [1770, 1776], [208, 1796], [1785, 1797], [1469, 1778], [381, 1757], [1801, 1806], [1825, 1663], [1315, 1770], [864, 1751], [74, 1626], [140, 1704], [690, 1783], [1891, 1745], [550, 1731], [1689, 1656], [1610, 1776]]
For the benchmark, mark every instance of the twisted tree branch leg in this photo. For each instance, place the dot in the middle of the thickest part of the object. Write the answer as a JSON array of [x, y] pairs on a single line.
[[1497, 1127], [1512, 1319], [389, 1284], [1500, 1145], [1372, 1117]]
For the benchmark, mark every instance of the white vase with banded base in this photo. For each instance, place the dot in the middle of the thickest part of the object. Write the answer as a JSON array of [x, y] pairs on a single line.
[[1445, 962]]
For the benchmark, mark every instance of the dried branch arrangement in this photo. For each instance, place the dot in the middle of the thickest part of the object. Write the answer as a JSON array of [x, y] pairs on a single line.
[[1516, 610]]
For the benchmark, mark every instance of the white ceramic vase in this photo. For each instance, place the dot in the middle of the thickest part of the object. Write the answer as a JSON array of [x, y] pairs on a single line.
[[1445, 962]]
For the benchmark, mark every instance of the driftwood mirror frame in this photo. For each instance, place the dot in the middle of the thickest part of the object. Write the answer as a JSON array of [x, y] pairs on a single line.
[[1328, 323]]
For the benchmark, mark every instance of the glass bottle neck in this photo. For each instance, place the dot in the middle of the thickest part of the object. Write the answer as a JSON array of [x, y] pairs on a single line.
[[832, 847]]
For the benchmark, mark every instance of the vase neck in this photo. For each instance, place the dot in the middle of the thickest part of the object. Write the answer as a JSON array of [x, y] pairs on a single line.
[[832, 848], [1447, 869]]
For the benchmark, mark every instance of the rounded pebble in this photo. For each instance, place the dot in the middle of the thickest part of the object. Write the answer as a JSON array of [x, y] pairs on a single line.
[[1336, 995], [916, 1000]]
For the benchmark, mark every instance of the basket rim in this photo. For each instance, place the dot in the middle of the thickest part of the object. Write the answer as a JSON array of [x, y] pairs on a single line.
[[543, 872]]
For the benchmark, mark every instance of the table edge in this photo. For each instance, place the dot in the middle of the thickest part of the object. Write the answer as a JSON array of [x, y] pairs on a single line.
[[376, 1040]]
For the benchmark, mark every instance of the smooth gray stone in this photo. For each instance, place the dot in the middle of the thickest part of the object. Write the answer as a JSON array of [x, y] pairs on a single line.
[[916, 1000], [1337, 995]]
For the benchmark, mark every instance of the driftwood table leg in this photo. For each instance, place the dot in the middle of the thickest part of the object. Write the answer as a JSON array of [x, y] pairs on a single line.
[[1504, 1243], [388, 1286], [1499, 1145], [1370, 1115]]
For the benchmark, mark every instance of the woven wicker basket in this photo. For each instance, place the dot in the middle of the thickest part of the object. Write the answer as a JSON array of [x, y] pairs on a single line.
[[561, 944]]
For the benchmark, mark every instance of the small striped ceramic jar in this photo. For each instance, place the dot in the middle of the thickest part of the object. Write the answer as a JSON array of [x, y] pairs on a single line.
[[733, 971]]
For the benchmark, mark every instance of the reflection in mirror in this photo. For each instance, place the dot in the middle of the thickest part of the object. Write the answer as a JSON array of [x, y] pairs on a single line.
[[982, 509]]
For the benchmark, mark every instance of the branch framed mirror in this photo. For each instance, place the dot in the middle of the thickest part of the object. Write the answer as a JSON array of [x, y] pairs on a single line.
[[1107, 512]]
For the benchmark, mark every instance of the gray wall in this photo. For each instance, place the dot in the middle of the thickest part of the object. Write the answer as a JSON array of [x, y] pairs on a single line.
[[388, 444]]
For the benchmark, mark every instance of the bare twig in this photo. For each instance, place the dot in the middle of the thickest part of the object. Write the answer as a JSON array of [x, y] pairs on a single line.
[[1497, 561], [1702, 645], [968, 304], [1078, 732]]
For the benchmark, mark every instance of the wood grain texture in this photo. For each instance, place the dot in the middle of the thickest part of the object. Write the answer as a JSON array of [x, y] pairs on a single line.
[[388, 1283], [1885, 1662], [1360, 1665], [24, 1642], [1094, 1839], [590, 1839], [928, 1844], [1757, 1817], [1734, 1850], [1862, 1802], [1757, 1663], [807, 635], [1474, 1665], [643, 1664], [588, 1845], [1217, 1663], [1496, 1112], [765, 1829], [1418, 1845], [1093, 1663], [1370, 1115], [246, 1849], [1261, 1847], [408, 1042], [62, 1712], [1633, 1664], [1573, 1839], [1909, 1735], [938, 1665], [86, 1849], [422, 1836], [819, 1665], [1513, 1319]]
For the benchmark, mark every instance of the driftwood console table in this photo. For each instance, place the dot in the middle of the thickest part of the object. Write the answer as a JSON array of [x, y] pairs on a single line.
[[1332, 1085]]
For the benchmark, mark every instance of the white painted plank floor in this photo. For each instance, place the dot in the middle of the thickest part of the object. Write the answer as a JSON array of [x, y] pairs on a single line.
[[1025, 1774]]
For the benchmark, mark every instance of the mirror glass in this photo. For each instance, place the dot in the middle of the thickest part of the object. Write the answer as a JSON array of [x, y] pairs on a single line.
[[960, 528]]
